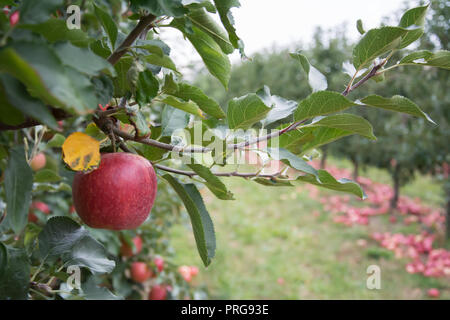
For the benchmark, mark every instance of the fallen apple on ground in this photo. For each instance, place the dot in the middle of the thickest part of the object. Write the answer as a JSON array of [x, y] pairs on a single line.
[[118, 195]]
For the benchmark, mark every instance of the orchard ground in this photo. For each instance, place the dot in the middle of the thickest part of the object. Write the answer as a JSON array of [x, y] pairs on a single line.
[[292, 248]]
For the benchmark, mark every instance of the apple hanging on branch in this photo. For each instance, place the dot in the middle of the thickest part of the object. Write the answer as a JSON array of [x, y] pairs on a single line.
[[118, 195]]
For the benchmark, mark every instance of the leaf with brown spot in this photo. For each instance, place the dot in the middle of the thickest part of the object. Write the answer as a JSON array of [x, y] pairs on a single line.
[[81, 152]]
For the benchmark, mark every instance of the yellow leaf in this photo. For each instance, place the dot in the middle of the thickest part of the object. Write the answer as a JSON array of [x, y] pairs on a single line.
[[81, 152]]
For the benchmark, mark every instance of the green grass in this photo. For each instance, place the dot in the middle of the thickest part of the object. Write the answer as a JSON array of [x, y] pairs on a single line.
[[268, 234]]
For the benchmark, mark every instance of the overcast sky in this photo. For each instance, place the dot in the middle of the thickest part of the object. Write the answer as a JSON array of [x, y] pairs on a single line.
[[265, 23]]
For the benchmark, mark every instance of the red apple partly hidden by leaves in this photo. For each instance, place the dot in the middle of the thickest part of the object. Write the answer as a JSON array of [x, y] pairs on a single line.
[[185, 272], [127, 251], [159, 263], [39, 205], [118, 195], [158, 292], [140, 272], [433, 293], [38, 161], [14, 18]]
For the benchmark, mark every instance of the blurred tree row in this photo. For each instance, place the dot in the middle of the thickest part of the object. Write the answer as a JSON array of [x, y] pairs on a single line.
[[405, 145]]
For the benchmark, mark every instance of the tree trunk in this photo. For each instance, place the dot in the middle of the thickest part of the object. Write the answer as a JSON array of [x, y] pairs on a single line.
[[396, 180], [324, 157]]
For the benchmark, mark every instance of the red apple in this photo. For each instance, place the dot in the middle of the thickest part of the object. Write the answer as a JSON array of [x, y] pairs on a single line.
[[158, 292], [118, 195], [194, 271], [127, 251], [140, 272], [433, 293], [38, 161], [159, 263], [185, 272], [14, 18], [39, 205]]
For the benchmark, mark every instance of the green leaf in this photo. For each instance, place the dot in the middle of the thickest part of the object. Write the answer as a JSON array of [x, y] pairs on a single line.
[[439, 59], [88, 252], [208, 105], [104, 88], [18, 186], [154, 46], [274, 182], [317, 81], [33, 12], [56, 30], [316, 137], [8, 113], [162, 61], [329, 182], [63, 238], [101, 49], [243, 112], [203, 21], [346, 122], [359, 27], [15, 280], [202, 224], [46, 175], [91, 290], [281, 109], [173, 8], [223, 8], [294, 140], [173, 119], [59, 236], [3, 258], [418, 55], [57, 141], [17, 96], [147, 87], [212, 182], [108, 24], [94, 131], [82, 59], [7, 3], [413, 17], [292, 160], [396, 103], [196, 4], [121, 86], [139, 120], [215, 60], [374, 43], [187, 106], [321, 103], [169, 86], [39, 69]]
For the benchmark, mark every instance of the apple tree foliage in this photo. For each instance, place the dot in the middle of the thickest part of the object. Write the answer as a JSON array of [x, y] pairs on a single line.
[[114, 80]]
